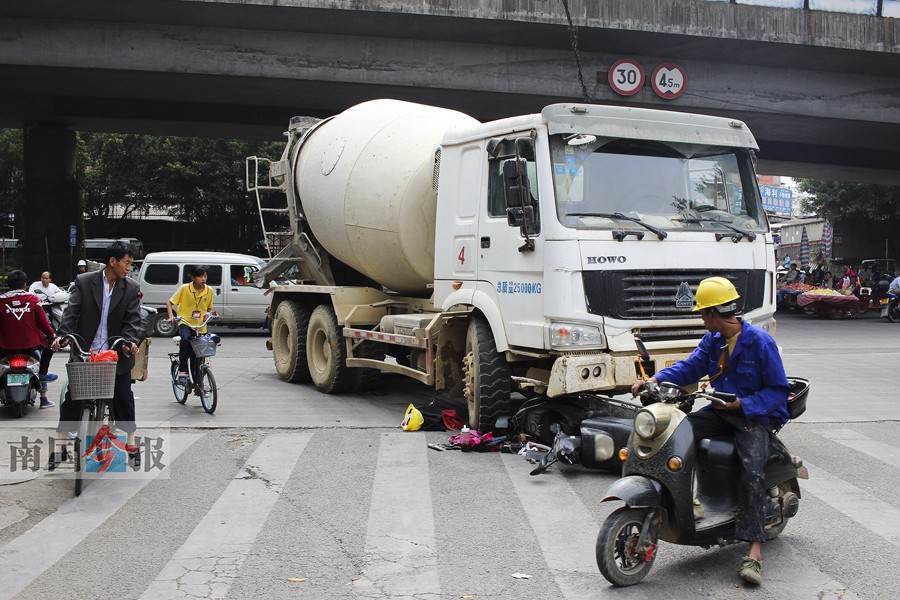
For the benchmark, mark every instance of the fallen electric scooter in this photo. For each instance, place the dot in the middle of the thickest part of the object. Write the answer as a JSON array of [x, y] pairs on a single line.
[[582, 429]]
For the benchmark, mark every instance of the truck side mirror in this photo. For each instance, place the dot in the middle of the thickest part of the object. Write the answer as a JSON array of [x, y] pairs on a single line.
[[515, 179], [517, 216]]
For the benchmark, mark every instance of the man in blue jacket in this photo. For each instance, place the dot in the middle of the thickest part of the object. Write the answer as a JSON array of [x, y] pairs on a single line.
[[743, 360]]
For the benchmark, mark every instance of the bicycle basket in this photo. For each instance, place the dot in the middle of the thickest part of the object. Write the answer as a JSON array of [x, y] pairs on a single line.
[[91, 380], [203, 345]]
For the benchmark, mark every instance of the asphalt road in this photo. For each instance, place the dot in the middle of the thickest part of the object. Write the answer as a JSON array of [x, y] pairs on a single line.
[[285, 492]]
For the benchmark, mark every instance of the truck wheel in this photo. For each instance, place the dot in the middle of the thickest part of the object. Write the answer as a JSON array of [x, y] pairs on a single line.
[[487, 377], [326, 353], [366, 379], [289, 330], [162, 327]]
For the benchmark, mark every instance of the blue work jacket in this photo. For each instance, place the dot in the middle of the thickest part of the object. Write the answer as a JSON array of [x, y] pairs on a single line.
[[754, 373]]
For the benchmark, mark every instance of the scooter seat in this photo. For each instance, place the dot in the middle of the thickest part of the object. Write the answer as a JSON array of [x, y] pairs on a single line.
[[718, 450], [722, 451]]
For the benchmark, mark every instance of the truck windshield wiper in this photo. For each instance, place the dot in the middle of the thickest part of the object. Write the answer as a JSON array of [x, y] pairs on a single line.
[[659, 232], [737, 236]]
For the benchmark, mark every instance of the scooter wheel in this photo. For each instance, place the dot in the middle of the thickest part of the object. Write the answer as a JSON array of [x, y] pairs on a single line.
[[618, 559]]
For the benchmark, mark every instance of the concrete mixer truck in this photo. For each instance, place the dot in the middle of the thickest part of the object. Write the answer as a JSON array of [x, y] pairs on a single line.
[[522, 255]]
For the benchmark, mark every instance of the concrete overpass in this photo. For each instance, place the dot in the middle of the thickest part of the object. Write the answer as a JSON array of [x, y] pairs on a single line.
[[820, 90]]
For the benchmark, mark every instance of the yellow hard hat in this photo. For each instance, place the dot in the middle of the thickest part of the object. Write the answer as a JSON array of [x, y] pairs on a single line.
[[715, 291], [412, 420]]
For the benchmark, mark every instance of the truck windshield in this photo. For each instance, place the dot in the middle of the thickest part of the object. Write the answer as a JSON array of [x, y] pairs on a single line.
[[668, 186]]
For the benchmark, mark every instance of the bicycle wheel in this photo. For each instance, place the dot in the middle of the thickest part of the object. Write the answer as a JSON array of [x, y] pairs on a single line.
[[84, 425], [180, 387], [208, 392]]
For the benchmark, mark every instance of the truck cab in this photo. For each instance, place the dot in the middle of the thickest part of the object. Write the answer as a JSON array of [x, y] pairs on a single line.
[[580, 229]]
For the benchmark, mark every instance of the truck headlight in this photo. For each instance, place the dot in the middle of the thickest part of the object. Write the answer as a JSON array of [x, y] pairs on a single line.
[[568, 336]]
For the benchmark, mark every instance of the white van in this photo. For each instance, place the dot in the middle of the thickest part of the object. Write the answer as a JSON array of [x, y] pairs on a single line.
[[237, 300]]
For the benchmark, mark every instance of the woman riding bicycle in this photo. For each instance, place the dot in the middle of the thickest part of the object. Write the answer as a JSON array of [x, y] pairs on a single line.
[[193, 300]]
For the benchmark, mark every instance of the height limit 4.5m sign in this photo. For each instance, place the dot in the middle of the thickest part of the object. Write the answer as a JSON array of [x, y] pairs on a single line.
[[669, 80]]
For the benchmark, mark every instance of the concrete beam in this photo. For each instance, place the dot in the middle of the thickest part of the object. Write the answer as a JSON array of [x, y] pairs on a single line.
[[242, 68]]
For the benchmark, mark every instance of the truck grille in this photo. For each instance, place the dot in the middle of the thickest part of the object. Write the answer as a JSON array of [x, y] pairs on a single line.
[[651, 294]]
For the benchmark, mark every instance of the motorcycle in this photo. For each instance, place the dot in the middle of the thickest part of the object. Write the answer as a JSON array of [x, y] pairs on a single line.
[[19, 382], [582, 429], [890, 307], [657, 484], [55, 305]]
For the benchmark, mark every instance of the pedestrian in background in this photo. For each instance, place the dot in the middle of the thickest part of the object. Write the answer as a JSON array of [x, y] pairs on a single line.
[[43, 289]]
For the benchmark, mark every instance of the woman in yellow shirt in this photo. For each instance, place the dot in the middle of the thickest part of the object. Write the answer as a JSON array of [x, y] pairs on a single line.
[[193, 300]]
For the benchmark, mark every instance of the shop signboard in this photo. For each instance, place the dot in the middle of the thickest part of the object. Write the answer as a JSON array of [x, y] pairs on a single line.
[[777, 200]]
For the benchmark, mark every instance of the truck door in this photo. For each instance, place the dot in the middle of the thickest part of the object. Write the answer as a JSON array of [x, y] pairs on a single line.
[[511, 256]]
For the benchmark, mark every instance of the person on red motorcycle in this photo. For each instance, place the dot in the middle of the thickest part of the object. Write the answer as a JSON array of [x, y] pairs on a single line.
[[24, 325], [743, 360]]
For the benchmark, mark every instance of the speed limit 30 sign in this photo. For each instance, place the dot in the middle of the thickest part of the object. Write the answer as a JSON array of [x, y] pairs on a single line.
[[626, 77]]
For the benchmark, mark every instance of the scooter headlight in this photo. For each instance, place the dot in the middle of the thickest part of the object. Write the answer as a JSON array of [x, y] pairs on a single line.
[[645, 424]]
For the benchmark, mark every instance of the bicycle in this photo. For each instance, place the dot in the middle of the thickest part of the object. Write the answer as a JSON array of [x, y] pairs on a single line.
[[93, 384], [199, 379]]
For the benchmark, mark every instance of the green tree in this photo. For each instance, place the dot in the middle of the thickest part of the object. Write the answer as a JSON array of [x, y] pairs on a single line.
[[837, 200], [870, 210], [195, 180]]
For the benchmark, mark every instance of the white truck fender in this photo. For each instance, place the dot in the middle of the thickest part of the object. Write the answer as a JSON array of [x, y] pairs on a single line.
[[488, 307]]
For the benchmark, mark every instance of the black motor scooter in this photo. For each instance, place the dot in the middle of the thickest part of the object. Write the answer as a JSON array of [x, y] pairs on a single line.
[[19, 382], [661, 461], [581, 429]]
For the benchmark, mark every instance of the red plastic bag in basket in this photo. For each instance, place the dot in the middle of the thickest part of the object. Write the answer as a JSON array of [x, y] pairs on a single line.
[[104, 356]]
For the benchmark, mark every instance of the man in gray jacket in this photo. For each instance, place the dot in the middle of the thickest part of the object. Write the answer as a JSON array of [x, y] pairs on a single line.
[[106, 304]]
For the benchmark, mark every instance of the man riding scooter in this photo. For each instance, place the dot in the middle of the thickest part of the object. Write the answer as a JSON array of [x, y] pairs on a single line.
[[743, 360]]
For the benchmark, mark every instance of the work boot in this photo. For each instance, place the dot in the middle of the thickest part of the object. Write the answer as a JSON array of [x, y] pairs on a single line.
[[751, 570]]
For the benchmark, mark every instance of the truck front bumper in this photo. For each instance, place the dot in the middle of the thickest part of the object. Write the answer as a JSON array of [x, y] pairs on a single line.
[[576, 373]]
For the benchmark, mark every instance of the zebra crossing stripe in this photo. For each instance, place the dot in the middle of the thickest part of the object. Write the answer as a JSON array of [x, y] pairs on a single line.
[[400, 556], [879, 517], [208, 561], [23, 559], [856, 441], [788, 573], [553, 507]]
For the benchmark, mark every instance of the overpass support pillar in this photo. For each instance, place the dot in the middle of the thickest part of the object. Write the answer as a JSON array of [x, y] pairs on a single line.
[[51, 202]]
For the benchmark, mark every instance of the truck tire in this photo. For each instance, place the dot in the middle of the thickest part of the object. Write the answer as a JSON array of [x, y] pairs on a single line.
[[162, 327], [487, 377], [289, 331], [366, 379], [326, 353]]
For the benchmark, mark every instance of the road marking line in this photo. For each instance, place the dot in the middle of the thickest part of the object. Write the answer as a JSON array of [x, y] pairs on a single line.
[[23, 559], [208, 561], [879, 517], [789, 574], [856, 441], [552, 507], [400, 556]]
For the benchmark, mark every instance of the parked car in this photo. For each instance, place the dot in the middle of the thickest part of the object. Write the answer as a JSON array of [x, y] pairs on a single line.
[[238, 301]]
